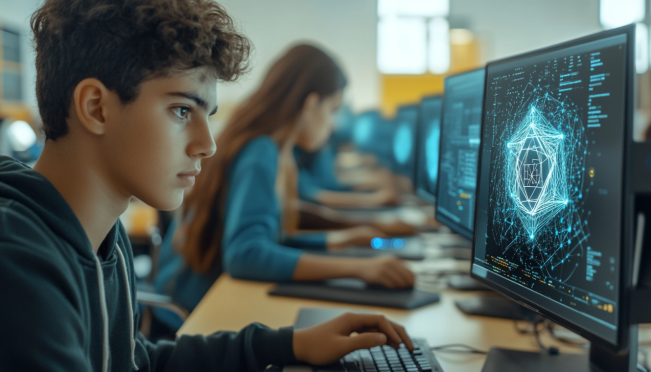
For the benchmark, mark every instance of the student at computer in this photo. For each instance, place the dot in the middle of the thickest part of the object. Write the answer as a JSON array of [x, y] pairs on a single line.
[[124, 90], [318, 182], [240, 216]]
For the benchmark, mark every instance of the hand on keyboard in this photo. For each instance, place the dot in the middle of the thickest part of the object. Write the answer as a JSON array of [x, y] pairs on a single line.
[[328, 342]]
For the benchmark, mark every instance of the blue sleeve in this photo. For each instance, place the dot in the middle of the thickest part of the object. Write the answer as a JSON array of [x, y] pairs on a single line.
[[307, 187], [252, 219], [312, 240], [323, 169]]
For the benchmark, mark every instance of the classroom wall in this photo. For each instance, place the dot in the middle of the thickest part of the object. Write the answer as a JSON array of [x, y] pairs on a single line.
[[508, 27], [347, 29], [15, 15]]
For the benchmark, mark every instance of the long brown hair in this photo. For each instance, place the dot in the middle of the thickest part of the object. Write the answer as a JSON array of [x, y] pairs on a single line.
[[272, 110]]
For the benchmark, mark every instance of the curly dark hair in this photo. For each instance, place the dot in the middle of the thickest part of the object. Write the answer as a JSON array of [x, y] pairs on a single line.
[[123, 43]]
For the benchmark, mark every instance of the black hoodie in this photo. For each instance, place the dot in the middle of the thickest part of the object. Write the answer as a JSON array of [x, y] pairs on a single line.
[[62, 309]]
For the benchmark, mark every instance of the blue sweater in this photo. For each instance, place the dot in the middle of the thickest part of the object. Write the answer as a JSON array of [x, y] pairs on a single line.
[[250, 246]]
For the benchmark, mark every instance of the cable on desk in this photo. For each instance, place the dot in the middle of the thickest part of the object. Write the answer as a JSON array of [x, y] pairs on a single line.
[[454, 348], [550, 350]]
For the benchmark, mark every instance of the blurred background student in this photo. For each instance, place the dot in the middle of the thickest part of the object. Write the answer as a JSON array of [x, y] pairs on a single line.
[[241, 218], [319, 182]]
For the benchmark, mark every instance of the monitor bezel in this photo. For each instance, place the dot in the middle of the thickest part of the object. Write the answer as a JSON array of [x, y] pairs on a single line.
[[625, 282], [420, 192], [454, 226], [397, 167]]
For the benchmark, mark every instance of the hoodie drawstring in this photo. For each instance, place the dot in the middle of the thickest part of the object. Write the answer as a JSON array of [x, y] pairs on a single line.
[[126, 283], [102, 300]]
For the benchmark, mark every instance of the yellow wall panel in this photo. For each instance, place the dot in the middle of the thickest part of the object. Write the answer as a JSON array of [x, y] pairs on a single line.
[[405, 89]]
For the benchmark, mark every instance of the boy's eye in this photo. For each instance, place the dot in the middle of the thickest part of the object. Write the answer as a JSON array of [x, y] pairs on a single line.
[[181, 112]]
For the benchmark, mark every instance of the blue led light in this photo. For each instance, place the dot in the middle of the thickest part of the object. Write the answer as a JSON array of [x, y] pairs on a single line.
[[377, 243], [398, 243]]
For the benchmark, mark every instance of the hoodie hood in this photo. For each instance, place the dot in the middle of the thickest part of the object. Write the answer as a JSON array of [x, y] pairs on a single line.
[[22, 184]]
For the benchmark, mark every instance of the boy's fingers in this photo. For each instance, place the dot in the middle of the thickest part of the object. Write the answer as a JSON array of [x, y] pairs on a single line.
[[405, 337], [364, 341], [360, 322]]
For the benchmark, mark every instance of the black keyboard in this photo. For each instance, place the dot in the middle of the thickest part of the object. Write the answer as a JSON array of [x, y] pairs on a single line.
[[387, 359]]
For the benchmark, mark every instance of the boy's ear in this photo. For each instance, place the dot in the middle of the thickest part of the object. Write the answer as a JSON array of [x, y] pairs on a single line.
[[90, 103]]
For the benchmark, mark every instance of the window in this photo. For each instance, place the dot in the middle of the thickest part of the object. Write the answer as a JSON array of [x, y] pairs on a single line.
[[413, 36], [616, 13]]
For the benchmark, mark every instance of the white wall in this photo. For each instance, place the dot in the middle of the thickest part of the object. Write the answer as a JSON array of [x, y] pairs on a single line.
[[510, 27], [345, 28]]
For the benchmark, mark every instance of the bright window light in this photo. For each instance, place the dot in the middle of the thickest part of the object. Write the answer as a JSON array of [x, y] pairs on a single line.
[[21, 135], [439, 46], [641, 48], [413, 8], [402, 45], [615, 13]]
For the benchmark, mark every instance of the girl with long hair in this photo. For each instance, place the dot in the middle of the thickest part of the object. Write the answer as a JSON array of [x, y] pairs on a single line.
[[240, 217]]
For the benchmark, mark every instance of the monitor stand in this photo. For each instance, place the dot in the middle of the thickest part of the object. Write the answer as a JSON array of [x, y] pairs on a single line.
[[495, 306], [599, 360]]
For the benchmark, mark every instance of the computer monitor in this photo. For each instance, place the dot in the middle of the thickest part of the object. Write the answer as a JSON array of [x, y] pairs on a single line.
[[428, 135], [373, 134], [462, 107], [364, 126], [553, 223], [404, 140]]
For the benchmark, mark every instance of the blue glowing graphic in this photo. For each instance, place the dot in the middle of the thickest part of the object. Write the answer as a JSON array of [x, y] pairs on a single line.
[[363, 130], [538, 194], [394, 243], [402, 143], [432, 149], [536, 167]]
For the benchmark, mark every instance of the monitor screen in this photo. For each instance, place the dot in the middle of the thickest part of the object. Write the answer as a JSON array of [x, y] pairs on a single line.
[[364, 125], [428, 135], [374, 134], [462, 107], [550, 195], [404, 140]]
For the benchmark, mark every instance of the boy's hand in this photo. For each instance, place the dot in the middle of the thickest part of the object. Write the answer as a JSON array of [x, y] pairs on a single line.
[[330, 341]]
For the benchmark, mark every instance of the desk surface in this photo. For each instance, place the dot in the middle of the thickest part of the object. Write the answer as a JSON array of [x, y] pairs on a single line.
[[232, 304]]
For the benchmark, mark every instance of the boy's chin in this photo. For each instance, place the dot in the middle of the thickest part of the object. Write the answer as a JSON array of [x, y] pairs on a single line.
[[164, 202]]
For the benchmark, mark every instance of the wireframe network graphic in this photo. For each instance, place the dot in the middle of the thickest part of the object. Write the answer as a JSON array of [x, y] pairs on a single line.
[[538, 186], [536, 167]]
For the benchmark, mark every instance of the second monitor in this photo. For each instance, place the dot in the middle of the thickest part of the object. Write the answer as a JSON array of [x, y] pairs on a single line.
[[428, 137], [459, 148]]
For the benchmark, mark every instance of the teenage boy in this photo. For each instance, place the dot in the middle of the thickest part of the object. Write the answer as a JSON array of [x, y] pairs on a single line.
[[125, 88]]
